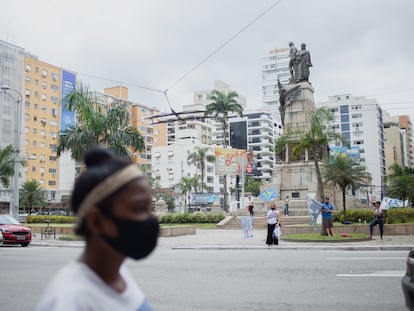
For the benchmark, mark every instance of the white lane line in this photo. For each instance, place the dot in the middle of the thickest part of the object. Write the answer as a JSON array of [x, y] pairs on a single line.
[[367, 258], [398, 274]]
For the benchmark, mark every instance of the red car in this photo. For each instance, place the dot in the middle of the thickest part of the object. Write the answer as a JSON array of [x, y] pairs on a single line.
[[13, 232]]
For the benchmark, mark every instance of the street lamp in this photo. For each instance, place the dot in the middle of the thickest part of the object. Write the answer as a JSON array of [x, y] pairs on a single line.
[[14, 209]]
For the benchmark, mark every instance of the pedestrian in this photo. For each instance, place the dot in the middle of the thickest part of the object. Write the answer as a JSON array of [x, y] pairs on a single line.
[[379, 219], [327, 219], [273, 220], [286, 209], [112, 202]]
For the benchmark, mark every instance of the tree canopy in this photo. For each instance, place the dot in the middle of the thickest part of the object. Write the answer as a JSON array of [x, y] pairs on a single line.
[[96, 125]]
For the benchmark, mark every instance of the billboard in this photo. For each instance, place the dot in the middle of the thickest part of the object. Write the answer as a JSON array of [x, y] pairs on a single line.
[[68, 85], [352, 152], [229, 161]]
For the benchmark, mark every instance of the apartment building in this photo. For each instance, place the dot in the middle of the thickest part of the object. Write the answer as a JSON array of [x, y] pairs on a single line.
[[360, 121], [274, 67], [395, 147], [43, 115], [407, 127]]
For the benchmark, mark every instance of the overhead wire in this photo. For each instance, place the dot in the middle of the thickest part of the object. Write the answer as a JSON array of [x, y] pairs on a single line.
[[187, 73]]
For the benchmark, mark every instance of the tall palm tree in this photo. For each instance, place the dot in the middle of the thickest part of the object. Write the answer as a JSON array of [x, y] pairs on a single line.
[[315, 140], [342, 171], [221, 106], [199, 158], [6, 165], [31, 194], [97, 126], [401, 182]]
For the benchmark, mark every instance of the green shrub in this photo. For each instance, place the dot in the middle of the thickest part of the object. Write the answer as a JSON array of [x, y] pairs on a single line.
[[393, 215], [38, 219], [195, 218]]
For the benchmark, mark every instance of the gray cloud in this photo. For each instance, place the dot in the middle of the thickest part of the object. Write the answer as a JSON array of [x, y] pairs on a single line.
[[358, 47]]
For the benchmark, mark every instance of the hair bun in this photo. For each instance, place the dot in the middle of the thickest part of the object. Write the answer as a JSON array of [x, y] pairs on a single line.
[[97, 155]]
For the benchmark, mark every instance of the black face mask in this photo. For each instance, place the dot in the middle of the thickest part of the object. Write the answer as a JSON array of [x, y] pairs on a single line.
[[136, 239]]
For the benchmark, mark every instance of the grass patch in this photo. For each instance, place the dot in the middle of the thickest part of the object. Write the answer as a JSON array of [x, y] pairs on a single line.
[[70, 237], [319, 237]]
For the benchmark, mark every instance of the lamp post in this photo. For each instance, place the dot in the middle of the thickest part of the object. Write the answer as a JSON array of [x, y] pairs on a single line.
[[14, 209]]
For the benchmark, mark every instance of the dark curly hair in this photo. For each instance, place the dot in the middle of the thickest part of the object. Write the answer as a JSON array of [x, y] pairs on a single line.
[[100, 163]]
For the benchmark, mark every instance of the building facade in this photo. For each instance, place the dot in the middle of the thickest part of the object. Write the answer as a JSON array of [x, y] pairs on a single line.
[[360, 121], [407, 127], [274, 67]]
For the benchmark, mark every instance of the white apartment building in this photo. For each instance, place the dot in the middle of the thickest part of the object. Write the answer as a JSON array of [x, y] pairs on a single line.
[[360, 121], [170, 164], [274, 67]]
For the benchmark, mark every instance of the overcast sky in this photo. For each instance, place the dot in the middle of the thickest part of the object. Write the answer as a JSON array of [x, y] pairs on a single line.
[[365, 48]]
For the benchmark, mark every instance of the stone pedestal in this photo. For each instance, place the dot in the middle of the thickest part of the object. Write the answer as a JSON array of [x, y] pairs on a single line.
[[298, 107], [216, 208], [161, 207]]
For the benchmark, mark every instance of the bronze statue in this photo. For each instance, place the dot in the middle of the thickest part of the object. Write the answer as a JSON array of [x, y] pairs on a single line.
[[293, 62], [304, 64], [299, 63]]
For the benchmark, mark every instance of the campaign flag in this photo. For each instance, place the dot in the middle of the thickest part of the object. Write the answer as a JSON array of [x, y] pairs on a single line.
[[314, 208], [269, 194], [387, 203]]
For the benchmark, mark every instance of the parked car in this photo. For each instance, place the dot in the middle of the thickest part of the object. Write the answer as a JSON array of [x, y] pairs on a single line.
[[407, 281], [13, 232], [1, 238]]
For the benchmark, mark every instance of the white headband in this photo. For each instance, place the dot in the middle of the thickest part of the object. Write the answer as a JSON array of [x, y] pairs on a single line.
[[107, 187]]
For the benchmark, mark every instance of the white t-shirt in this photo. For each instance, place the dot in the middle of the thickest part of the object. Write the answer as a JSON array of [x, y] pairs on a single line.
[[77, 287], [272, 217]]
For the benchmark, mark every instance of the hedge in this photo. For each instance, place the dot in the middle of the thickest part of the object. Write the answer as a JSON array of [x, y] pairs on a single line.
[[195, 218], [39, 219], [393, 215]]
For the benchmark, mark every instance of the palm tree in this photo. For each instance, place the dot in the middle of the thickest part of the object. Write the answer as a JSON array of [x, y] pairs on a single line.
[[185, 186], [199, 158], [111, 128], [221, 106], [401, 182], [6, 165], [315, 140], [342, 170], [32, 195]]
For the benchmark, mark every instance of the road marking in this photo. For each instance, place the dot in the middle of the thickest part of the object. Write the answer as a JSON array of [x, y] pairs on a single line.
[[398, 274], [367, 258]]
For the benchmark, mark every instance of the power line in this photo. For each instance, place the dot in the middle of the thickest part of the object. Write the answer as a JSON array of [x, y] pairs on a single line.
[[122, 83], [223, 45]]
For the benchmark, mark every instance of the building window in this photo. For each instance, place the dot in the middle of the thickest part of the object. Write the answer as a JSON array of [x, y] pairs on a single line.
[[44, 73], [52, 183], [52, 170], [43, 108], [28, 68], [55, 76], [54, 87], [44, 85], [54, 99], [356, 115], [358, 142]]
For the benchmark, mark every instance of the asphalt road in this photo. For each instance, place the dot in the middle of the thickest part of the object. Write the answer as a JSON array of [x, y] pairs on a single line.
[[250, 279]]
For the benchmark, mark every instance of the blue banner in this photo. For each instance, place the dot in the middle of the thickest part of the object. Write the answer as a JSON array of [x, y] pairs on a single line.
[[269, 194], [68, 85]]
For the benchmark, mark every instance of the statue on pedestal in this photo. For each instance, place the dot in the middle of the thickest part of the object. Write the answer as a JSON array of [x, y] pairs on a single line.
[[299, 63]]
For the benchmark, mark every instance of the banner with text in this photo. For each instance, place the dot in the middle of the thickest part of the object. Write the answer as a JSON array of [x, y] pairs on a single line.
[[228, 161]]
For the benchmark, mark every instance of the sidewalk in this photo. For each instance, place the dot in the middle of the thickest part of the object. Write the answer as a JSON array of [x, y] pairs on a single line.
[[233, 239]]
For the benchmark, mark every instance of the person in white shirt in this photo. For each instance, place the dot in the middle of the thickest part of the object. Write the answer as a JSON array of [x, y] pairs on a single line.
[[273, 220], [112, 202], [379, 219]]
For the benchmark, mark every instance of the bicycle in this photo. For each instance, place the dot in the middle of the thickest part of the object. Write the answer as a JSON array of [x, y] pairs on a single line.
[[48, 230]]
